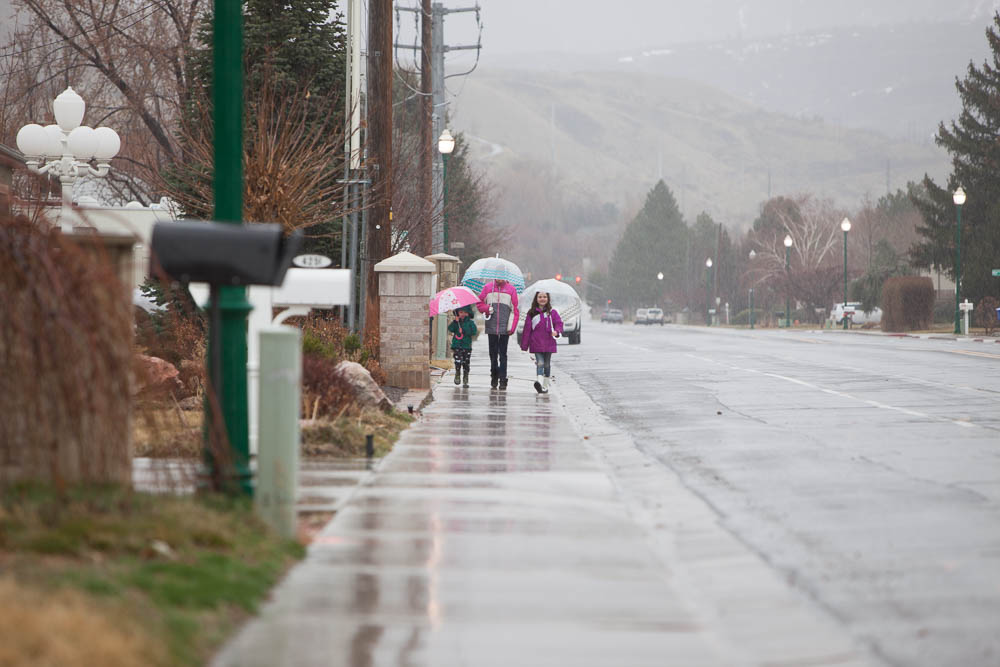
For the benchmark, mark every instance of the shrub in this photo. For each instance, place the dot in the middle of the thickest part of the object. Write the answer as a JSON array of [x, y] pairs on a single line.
[[743, 317], [324, 391], [65, 357], [986, 314], [907, 303], [177, 334]]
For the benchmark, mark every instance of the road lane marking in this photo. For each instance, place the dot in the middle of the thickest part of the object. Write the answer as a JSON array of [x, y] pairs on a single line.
[[834, 392], [976, 353]]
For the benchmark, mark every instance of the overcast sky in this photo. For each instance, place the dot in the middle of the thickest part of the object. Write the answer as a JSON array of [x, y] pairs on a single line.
[[597, 26]]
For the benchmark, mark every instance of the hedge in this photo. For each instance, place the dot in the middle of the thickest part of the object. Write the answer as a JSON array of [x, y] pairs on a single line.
[[907, 303]]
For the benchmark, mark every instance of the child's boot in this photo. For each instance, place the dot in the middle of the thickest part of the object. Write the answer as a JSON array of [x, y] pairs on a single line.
[[465, 376], [538, 386], [503, 383], [545, 385], [494, 379], [458, 373]]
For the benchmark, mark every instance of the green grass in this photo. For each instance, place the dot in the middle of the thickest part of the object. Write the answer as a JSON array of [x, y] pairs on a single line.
[[106, 545]]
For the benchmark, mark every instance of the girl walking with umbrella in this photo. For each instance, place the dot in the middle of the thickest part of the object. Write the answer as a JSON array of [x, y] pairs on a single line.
[[542, 326]]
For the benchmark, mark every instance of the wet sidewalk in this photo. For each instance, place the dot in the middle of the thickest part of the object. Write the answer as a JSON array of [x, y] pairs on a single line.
[[491, 535]]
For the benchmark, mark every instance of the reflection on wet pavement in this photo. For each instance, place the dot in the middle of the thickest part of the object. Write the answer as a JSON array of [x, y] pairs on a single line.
[[489, 536]]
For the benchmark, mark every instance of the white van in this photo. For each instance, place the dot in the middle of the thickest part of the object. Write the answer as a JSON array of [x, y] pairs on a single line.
[[857, 315]]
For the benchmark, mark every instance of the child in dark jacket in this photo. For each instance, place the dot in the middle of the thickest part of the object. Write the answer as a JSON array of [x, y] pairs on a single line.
[[542, 326], [462, 328]]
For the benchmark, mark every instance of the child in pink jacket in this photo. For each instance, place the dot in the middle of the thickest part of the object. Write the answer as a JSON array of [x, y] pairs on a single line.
[[542, 326]]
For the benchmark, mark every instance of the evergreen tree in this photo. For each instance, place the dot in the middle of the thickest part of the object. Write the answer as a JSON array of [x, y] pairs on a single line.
[[291, 51], [974, 144], [654, 242]]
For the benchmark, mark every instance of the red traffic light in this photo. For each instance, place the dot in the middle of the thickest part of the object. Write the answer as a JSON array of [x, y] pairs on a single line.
[[609, 302], [558, 276], [578, 279]]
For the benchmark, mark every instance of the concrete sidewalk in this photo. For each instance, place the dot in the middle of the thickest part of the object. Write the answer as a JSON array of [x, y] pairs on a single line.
[[511, 529]]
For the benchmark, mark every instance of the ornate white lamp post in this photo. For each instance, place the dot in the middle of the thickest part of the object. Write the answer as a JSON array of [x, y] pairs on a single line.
[[67, 148]]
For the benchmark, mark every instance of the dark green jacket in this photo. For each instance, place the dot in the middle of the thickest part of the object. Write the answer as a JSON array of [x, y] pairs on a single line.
[[468, 330]]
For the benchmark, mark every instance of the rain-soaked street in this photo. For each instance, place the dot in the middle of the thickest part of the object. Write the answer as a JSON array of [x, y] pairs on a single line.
[[683, 497], [864, 469]]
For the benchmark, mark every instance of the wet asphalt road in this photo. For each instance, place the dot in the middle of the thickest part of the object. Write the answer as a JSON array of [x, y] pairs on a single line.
[[865, 469]]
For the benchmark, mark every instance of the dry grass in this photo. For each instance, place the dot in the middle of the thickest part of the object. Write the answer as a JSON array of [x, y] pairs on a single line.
[[113, 577], [344, 437], [168, 432], [65, 628]]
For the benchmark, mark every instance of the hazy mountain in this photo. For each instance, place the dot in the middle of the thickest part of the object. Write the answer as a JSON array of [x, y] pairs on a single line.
[[898, 79], [612, 134]]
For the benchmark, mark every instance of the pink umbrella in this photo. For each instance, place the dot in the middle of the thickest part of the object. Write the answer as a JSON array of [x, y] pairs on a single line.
[[452, 298]]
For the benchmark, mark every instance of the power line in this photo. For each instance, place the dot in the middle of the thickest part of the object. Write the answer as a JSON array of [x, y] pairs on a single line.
[[82, 32]]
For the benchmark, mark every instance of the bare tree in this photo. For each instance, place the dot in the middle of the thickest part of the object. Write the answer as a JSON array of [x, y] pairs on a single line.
[[813, 271], [125, 58]]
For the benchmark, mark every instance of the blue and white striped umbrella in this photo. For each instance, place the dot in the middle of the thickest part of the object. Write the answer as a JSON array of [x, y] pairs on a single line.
[[488, 269]]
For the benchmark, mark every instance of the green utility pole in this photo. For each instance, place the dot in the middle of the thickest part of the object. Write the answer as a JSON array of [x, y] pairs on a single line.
[[958, 269], [845, 279], [444, 199], [788, 299], [751, 308], [230, 333]]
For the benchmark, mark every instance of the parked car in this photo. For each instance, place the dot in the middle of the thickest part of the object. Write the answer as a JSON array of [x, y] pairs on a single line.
[[640, 316], [857, 315], [654, 316], [613, 315]]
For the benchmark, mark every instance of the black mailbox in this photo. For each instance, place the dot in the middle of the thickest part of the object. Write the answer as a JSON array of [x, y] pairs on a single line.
[[222, 253]]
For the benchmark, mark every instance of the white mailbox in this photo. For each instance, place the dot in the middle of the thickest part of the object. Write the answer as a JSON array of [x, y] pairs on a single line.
[[303, 290]]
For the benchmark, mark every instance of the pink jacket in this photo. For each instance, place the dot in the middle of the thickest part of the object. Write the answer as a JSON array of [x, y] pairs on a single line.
[[503, 301]]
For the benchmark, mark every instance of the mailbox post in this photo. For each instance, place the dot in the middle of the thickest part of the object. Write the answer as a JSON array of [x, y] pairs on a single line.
[[966, 307], [228, 257]]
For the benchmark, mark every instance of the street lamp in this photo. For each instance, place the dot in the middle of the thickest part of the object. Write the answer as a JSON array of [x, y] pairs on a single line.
[[752, 256], [788, 303], [66, 148], [959, 198], [845, 224], [708, 291], [446, 144]]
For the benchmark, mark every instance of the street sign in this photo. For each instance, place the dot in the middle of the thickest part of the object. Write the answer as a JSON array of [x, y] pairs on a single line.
[[312, 261], [996, 273]]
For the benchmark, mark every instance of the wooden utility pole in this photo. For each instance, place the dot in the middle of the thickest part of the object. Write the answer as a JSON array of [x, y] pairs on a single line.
[[428, 150], [379, 228]]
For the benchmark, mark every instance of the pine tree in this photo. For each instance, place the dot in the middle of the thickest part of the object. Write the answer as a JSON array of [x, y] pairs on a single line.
[[974, 144], [294, 58], [654, 242]]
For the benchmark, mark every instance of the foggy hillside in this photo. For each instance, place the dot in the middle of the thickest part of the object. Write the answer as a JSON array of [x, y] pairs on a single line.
[[611, 135], [898, 79]]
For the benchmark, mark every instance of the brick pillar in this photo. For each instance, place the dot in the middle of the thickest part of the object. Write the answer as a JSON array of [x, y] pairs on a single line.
[[404, 287], [446, 270]]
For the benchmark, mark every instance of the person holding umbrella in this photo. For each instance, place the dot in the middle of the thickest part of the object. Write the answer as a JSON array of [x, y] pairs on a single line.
[[498, 300], [462, 328]]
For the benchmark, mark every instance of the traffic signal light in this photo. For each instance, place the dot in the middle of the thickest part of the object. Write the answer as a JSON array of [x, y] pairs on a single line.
[[558, 276], [578, 279], [609, 302]]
